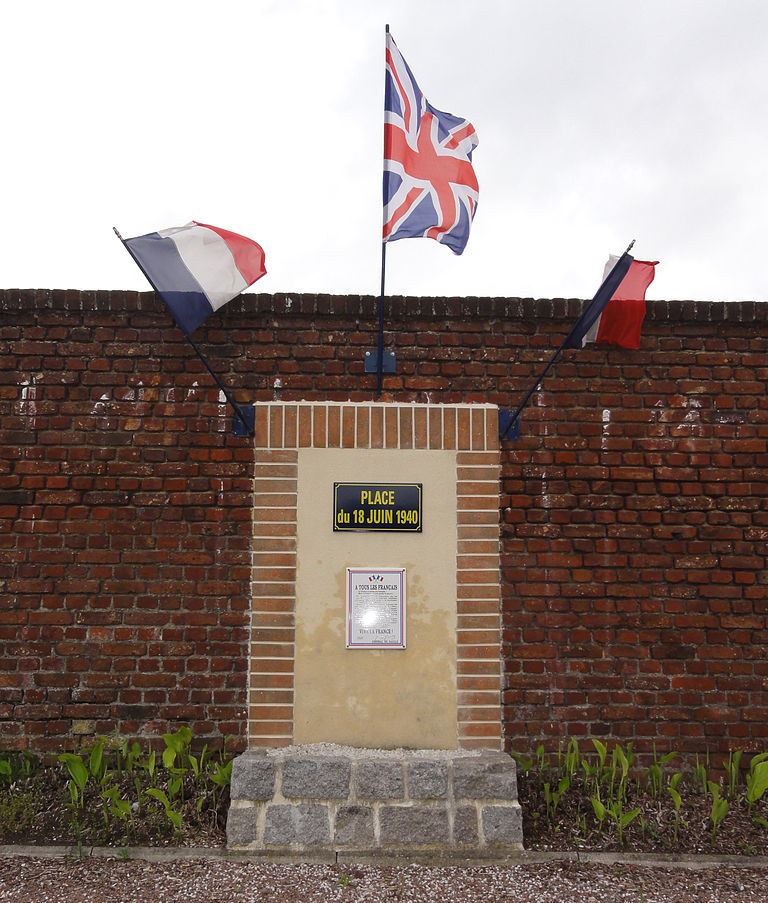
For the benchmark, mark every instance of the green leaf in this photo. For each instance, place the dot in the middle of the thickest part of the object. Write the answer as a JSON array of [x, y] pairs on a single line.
[[602, 750], [76, 768], [171, 814], [719, 811], [757, 782], [174, 786], [118, 807], [158, 795], [677, 800], [97, 759], [599, 808], [169, 756], [221, 775], [524, 763], [628, 817]]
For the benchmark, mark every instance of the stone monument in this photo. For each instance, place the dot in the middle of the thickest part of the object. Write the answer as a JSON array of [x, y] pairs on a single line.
[[374, 708]]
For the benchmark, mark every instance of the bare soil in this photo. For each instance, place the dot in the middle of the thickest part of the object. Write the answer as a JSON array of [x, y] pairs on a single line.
[[655, 830], [38, 810]]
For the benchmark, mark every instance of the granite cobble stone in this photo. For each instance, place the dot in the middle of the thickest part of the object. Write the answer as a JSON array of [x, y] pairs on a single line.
[[304, 825], [319, 779], [485, 777], [242, 826], [465, 825], [380, 780], [253, 777], [413, 825], [354, 826], [428, 780], [502, 825]]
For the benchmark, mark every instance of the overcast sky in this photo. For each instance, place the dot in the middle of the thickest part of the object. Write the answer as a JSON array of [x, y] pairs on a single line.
[[599, 121]]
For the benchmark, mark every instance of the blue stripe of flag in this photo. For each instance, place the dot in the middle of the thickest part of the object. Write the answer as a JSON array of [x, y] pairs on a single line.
[[163, 266], [604, 294]]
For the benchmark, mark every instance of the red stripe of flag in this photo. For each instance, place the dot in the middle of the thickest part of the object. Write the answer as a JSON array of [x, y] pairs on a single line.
[[248, 254]]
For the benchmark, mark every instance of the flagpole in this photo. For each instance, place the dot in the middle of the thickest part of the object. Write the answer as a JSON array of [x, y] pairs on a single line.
[[516, 414], [249, 431], [380, 346]]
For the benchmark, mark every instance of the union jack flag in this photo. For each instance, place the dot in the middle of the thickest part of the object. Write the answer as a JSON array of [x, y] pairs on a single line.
[[430, 188]]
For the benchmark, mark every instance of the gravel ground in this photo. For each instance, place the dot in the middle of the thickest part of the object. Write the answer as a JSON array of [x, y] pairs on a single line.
[[358, 752], [196, 880]]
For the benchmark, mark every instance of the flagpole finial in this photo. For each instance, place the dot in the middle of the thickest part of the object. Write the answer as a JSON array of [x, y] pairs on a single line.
[[630, 246], [114, 229]]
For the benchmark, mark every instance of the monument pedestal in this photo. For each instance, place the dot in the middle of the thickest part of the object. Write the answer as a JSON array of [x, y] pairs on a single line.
[[374, 801], [375, 672]]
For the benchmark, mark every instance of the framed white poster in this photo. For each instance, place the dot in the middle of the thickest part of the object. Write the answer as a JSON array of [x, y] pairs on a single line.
[[376, 608]]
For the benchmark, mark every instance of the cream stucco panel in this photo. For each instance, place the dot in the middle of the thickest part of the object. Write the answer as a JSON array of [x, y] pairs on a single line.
[[376, 698]]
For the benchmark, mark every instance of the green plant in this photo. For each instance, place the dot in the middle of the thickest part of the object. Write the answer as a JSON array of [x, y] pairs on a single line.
[[177, 759], [18, 810], [524, 763], [571, 760], [173, 815], [595, 775], [15, 765], [655, 774], [621, 762], [677, 800], [701, 770], [732, 771], [599, 809], [127, 757], [78, 778], [621, 819], [757, 779], [149, 767], [552, 798], [718, 811], [177, 746]]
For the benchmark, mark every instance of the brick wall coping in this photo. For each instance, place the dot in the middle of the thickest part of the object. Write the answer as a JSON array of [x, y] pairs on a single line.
[[736, 312]]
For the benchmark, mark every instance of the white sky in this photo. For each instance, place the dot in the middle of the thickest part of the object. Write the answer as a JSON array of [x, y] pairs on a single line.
[[599, 121]]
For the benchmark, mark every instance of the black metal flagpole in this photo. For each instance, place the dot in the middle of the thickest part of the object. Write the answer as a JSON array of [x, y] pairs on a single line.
[[380, 345], [509, 426], [242, 417]]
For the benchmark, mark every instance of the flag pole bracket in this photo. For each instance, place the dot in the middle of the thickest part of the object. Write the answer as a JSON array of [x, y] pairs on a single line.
[[388, 362], [244, 422], [508, 428]]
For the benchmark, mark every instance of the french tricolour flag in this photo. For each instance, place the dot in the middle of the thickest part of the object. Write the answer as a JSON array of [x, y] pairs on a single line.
[[616, 313], [197, 268]]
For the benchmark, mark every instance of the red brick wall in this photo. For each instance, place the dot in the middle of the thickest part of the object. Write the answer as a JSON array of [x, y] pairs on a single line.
[[634, 509]]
